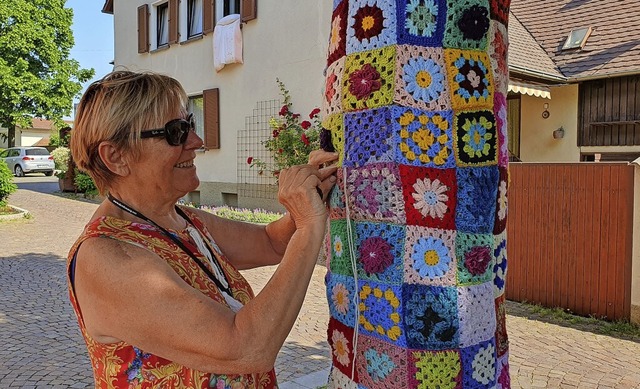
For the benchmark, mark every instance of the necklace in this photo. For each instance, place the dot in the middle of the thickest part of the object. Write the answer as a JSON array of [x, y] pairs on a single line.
[[219, 278]]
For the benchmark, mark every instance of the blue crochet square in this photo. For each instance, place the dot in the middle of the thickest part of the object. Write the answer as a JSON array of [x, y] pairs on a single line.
[[423, 138], [500, 265], [368, 137], [479, 365], [476, 205], [340, 260], [371, 25], [341, 293], [381, 312], [431, 317], [468, 23], [380, 252], [421, 22]]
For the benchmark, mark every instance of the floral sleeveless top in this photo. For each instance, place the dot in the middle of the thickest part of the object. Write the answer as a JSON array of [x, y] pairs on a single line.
[[121, 365]]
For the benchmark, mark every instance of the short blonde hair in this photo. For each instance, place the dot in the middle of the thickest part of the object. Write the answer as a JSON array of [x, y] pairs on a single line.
[[115, 109]]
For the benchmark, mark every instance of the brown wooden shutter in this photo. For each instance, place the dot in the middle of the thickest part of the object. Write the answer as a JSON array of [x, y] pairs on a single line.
[[248, 10], [143, 28], [174, 9], [211, 118], [208, 16]]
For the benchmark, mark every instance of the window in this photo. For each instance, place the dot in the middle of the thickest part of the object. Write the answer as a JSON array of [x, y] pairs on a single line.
[[577, 38], [513, 124], [196, 107], [248, 10], [162, 24], [231, 7], [194, 18]]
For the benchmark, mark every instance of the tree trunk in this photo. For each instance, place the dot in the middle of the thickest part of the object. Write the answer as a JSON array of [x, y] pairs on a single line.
[[11, 135]]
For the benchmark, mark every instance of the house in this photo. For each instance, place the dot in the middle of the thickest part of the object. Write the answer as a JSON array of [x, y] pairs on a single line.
[[37, 135], [285, 39], [575, 80]]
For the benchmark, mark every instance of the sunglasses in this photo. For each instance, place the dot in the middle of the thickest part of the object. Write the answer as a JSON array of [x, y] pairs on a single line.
[[175, 132]]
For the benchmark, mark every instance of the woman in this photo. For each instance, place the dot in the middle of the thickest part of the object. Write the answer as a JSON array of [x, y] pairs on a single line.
[[160, 302]]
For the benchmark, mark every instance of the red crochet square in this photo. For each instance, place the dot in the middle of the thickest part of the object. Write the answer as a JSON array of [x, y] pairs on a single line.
[[429, 196], [341, 341], [338, 33]]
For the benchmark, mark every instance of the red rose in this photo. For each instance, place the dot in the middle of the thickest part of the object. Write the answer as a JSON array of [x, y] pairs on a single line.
[[305, 124], [276, 133], [280, 151], [284, 110], [314, 113], [249, 160], [304, 139], [295, 115]]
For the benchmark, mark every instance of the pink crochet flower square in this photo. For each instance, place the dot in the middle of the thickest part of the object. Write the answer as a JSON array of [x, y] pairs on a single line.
[[380, 364], [375, 193]]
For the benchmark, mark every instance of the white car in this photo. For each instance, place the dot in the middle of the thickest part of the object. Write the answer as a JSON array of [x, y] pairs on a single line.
[[23, 160]]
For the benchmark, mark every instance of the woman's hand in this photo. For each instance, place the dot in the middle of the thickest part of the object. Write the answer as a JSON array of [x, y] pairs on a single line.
[[298, 191]]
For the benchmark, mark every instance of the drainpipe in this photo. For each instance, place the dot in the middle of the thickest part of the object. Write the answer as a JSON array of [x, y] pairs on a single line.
[[635, 250]]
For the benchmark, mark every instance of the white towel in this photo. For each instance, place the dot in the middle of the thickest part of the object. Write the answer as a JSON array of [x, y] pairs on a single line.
[[227, 42]]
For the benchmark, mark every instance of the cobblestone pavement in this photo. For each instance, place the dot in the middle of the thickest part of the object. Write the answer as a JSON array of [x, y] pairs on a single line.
[[41, 346]]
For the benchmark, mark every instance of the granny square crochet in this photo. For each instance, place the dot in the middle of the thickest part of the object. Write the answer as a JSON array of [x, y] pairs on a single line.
[[500, 266], [415, 105], [470, 79], [371, 25], [429, 257], [421, 22], [341, 340], [421, 78], [375, 193], [381, 364], [479, 365], [341, 295], [476, 314], [435, 369], [476, 206], [381, 312], [430, 196], [380, 252], [475, 258], [467, 24], [341, 261], [423, 138], [430, 317], [368, 79], [338, 38], [369, 137]]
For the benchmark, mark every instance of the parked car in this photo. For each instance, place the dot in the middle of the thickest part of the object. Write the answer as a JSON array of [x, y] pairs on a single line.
[[23, 160]]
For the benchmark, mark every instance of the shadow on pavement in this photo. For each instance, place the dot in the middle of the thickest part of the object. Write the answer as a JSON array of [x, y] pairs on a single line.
[[296, 360], [617, 330]]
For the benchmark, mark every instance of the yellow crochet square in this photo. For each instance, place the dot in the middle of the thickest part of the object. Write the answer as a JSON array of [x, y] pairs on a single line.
[[470, 79], [368, 80], [335, 124]]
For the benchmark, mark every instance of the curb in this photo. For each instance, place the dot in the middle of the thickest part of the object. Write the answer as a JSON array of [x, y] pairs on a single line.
[[21, 213]]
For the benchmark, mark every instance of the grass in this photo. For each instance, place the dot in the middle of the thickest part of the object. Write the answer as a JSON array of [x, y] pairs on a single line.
[[561, 316]]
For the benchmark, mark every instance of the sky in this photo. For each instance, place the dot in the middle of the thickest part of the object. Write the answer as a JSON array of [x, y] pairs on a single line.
[[93, 35]]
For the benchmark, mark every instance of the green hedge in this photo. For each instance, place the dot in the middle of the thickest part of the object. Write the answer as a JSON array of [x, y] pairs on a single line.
[[6, 184]]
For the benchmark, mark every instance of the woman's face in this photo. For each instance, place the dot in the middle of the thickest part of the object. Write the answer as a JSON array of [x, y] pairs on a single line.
[[164, 169]]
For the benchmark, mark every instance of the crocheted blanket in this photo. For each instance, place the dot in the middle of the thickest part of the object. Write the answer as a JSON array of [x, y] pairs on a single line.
[[415, 105]]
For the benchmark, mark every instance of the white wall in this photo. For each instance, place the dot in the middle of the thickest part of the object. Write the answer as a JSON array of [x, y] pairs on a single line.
[[536, 137], [287, 40]]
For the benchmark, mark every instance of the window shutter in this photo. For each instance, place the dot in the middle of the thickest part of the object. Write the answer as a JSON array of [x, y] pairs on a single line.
[[211, 118], [248, 10], [173, 21], [143, 28], [208, 16]]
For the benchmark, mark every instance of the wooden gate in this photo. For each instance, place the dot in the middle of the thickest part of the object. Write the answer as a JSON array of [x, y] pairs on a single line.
[[570, 236]]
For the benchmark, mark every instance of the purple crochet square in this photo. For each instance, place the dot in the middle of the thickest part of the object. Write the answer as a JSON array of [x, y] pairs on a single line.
[[380, 252], [431, 317], [421, 23], [368, 137], [476, 314], [479, 365], [375, 193], [381, 312], [476, 202]]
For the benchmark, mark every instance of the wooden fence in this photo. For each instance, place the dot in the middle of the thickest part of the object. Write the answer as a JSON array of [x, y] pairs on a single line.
[[570, 236]]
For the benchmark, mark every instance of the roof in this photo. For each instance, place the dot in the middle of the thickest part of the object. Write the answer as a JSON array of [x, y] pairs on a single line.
[[612, 49], [108, 7], [526, 56]]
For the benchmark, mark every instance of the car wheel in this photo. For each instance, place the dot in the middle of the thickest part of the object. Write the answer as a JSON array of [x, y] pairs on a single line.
[[49, 173], [19, 171]]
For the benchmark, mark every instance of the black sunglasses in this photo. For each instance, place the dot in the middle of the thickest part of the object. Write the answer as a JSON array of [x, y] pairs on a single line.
[[175, 132]]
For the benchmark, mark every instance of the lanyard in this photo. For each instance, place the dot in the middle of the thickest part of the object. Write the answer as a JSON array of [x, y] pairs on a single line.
[[180, 244]]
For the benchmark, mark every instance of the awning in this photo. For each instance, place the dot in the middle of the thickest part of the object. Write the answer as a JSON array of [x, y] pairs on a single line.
[[529, 89]]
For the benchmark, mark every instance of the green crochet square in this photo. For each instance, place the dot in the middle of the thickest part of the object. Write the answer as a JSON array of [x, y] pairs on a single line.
[[335, 124], [467, 24], [341, 259], [475, 258]]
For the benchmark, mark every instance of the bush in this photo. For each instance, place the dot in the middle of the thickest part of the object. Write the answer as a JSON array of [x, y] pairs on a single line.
[[61, 156], [6, 184], [259, 216], [85, 183]]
